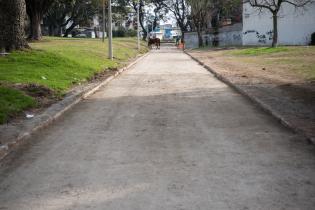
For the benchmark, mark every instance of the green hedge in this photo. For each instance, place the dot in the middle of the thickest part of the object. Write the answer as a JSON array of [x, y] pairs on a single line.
[[121, 32]]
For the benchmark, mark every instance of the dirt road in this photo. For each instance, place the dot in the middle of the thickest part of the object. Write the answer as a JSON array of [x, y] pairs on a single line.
[[164, 135]]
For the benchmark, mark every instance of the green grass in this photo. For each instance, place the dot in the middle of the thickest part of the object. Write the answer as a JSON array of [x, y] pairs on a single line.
[[12, 102], [259, 51], [58, 64]]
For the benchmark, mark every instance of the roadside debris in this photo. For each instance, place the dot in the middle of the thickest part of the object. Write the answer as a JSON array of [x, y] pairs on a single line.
[[29, 116]]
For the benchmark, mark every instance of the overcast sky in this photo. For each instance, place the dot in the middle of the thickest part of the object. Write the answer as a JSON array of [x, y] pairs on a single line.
[[170, 18]]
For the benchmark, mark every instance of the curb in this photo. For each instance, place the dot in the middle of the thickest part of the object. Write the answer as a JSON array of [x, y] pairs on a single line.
[[265, 107], [55, 111]]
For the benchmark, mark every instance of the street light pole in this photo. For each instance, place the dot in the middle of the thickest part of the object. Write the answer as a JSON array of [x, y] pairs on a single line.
[[148, 34], [110, 31], [138, 20], [103, 37]]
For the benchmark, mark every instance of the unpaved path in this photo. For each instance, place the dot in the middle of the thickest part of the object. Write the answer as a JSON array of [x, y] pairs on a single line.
[[164, 135]]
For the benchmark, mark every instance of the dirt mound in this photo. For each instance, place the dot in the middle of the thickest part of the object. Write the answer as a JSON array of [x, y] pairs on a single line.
[[103, 74], [44, 96]]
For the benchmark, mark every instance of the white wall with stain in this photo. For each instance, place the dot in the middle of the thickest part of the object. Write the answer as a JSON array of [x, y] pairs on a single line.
[[295, 26]]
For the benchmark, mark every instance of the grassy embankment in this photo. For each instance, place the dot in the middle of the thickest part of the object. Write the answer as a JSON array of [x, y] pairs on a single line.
[[296, 61], [57, 64]]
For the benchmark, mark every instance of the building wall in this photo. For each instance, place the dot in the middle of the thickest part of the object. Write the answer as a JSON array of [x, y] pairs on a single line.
[[228, 36], [176, 32], [295, 26], [191, 40], [168, 32], [231, 35]]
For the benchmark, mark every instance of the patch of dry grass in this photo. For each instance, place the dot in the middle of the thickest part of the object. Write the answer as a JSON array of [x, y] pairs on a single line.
[[296, 61]]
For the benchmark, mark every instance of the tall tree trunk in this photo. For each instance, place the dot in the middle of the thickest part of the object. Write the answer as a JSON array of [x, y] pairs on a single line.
[[200, 40], [51, 30], [145, 33], [183, 30], [12, 20], [35, 10], [183, 35], [135, 6], [155, 22], [36, 31], [275, 30], [96, 33], [199, 32], [54, 30]]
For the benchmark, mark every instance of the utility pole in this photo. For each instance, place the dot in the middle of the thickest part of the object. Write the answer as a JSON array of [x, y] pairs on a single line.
[[138, 20], [110, 31], [148, 34], [103, 37]]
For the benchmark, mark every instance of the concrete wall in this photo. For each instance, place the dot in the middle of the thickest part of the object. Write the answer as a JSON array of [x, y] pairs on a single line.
[[191, 40], [228, 36], [295, 26], [231, 35]]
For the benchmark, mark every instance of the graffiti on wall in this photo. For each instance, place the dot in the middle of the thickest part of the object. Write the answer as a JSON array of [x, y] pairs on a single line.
[[261, 38], [237, 37]]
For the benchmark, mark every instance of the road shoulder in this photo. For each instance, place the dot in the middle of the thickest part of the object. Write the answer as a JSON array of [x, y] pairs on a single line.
[[273, 98]]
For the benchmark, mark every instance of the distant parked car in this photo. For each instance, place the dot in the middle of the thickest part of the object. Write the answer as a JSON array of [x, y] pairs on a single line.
[[81, 36]]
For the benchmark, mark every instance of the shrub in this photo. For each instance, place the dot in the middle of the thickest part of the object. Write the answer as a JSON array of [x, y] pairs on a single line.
[[119, 33], [131, 33], [122, 32]]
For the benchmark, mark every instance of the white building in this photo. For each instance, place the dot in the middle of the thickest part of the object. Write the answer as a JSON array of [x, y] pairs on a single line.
[[295, 26], [167, 32]]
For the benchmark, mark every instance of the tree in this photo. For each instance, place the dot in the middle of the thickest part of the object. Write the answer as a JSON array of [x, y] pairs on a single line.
[[56, 17], [70, 13], [274, 7], [226, 9], [180, 10], [36, 9], [203, 12], [160, 10], [141, 3], [82, 12], [12, 19], [199, 12]]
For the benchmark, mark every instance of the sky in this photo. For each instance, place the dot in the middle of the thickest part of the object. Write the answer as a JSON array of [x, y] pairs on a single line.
[[170, 18]]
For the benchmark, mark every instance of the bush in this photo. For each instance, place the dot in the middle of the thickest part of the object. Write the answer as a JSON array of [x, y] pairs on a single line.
[[122, 32], [119, 33], [313, 39], [131, 33]]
